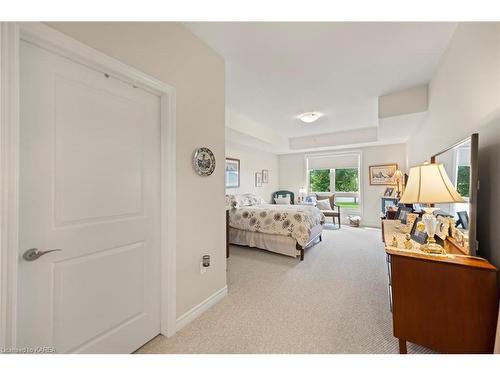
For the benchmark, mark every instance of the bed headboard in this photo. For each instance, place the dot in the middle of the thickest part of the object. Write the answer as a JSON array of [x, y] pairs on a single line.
[[284, 193]]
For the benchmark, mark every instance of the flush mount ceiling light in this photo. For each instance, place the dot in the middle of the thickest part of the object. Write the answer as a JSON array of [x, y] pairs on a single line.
[[309, 117]]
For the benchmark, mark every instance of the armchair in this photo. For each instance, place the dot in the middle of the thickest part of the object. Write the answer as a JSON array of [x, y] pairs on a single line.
[[335, 211]]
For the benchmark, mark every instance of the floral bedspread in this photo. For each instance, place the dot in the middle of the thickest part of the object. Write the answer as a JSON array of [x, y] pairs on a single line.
[[288, 220]]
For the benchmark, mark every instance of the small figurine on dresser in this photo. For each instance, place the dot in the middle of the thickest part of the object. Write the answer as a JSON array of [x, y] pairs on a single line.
[[408, 244], [458, 236], [453, 228], [394, 242]]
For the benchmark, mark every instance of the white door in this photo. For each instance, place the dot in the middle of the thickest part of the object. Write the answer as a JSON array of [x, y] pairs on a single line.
[[90, 186]]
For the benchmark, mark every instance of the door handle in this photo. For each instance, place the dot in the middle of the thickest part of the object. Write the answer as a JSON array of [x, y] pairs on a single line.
[[33, 254]]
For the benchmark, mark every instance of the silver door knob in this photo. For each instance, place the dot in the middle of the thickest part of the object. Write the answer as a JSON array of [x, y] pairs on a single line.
[[33, 254]]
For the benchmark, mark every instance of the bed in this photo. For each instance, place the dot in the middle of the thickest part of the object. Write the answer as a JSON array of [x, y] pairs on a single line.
[[284, 229]]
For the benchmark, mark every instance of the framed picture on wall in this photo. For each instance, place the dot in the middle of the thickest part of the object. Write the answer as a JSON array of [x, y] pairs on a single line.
[[383, 174], [265, 176], [232, 173], [258, 179]]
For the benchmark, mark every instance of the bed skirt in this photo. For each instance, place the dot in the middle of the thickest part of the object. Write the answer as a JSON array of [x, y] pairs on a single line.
[[276, 243]]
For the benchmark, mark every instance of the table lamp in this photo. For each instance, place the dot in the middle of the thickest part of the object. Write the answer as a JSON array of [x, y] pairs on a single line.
[[302, 194], [429, 184], [399, 177]]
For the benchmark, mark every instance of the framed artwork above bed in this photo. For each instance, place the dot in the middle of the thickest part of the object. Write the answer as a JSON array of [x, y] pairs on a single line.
[[258, 179], [232, 173], [265, 176]]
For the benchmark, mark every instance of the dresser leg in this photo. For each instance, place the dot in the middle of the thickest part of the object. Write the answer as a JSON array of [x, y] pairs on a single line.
[[402, 346]]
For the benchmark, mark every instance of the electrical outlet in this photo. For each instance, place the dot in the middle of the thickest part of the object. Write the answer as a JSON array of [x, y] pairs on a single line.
[[205, 263]]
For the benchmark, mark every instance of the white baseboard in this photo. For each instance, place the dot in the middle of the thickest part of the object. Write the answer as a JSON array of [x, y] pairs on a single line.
[[199, 309]]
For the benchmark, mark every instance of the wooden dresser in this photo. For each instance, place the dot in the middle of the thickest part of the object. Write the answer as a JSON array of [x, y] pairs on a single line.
[[448, 303]]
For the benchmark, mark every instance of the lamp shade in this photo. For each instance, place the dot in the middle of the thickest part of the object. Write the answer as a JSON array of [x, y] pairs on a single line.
[[429, 183], [302, 191]]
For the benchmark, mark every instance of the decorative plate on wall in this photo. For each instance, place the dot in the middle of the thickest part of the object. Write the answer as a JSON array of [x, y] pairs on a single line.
[[204, 161]]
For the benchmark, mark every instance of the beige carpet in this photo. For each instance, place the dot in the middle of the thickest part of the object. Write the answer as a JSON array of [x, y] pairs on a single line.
[[335, 301]]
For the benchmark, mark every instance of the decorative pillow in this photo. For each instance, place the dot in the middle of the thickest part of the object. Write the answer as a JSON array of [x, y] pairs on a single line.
[[241, 200], [311, 199], [254, 199], [282, 200], [324, 204]]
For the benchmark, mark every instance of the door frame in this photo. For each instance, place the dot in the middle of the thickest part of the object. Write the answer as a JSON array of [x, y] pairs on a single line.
[[50, 39]]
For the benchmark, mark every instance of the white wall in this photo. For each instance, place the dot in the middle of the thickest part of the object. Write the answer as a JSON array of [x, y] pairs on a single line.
[[464, 98], [172, 54], [293, 175], [251, 161], [464, 94], [413, 100]]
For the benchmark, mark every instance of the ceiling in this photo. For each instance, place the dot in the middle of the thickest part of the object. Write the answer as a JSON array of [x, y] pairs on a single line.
[[275, 71]]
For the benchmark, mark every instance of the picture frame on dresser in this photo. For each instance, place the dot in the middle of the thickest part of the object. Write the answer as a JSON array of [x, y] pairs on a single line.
[[418, 233], [402, 213], [443, 227], [389, 192]]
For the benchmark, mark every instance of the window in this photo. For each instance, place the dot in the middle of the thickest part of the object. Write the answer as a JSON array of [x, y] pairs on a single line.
[[337, 173], [463, 180], [319, 180], [347, 187], [344, 182]]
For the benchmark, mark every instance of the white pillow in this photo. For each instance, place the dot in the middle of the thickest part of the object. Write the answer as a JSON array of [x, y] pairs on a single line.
[[241, 200], [324, 204], [282, 200], [254, 199]]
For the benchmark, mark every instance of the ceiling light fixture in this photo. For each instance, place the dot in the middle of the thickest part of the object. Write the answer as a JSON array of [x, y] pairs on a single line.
[[309, 117]]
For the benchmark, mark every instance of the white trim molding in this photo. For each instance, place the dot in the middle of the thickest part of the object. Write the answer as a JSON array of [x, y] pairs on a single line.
[[44, 36], [9, 171], [199, 309]]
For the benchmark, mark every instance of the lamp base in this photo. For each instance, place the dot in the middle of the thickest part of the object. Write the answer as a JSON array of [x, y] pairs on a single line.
[[431, 247], [430, 222]]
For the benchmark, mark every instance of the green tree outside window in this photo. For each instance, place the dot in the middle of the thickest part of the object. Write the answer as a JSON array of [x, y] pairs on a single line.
[[463, 180], [320, 180], [346, 180]]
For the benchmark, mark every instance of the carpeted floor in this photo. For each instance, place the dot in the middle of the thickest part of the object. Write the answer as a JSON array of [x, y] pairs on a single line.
[[335, 301]]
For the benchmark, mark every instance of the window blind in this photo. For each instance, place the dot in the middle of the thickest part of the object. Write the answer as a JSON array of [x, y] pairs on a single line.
[[333, 161]]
